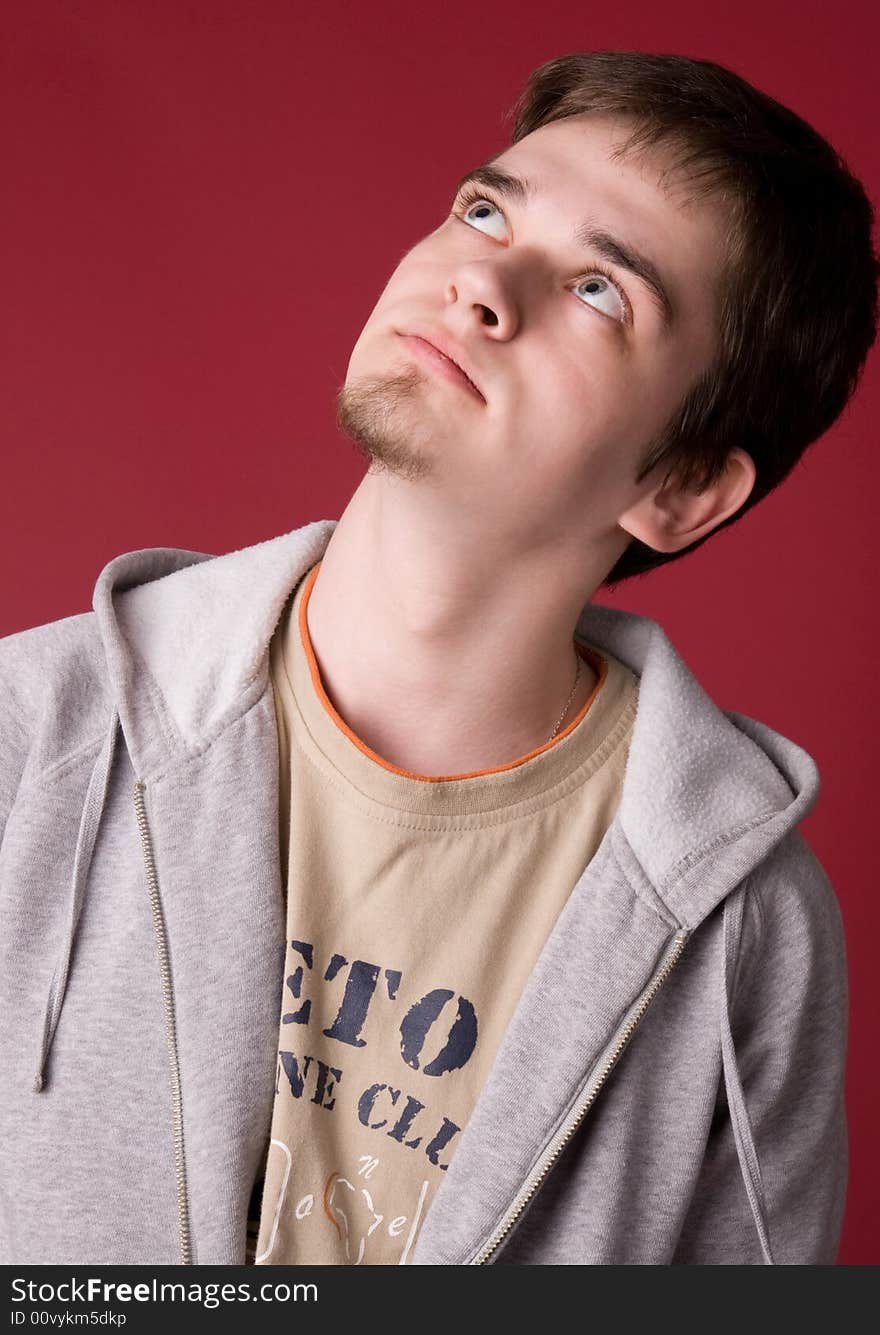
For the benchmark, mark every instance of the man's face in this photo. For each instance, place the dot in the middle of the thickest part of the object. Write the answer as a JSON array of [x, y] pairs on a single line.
[[576, 370]]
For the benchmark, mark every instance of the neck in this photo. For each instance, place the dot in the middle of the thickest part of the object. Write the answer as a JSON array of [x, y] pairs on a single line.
[[442, 649]]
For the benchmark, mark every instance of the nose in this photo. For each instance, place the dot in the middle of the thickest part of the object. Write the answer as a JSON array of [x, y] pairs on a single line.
[[478, 288]]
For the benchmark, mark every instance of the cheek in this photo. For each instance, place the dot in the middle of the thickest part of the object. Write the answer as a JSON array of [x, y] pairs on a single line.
[[566, 388], [580, 416]]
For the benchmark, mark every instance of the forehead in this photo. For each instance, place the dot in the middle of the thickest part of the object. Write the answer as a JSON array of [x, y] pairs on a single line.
[[591, 150]]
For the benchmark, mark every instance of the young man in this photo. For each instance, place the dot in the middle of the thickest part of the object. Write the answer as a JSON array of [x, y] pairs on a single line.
[[374, 895]]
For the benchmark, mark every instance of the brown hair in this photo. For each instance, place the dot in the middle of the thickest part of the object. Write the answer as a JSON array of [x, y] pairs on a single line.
[[798, 288]]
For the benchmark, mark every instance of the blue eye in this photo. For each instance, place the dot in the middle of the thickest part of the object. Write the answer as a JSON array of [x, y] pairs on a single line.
[[600, 286], [477, 210]]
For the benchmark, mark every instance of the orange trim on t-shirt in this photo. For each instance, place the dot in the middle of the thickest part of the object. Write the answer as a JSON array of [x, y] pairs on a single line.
[[595, 659]]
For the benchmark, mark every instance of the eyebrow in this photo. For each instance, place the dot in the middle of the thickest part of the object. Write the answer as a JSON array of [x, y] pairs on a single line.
[[587, 234]]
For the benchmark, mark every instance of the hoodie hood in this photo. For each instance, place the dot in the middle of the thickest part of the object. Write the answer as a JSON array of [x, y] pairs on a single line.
[[703, 785], [707, 792]]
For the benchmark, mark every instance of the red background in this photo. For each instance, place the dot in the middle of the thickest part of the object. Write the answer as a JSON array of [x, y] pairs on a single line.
[[201, 204]]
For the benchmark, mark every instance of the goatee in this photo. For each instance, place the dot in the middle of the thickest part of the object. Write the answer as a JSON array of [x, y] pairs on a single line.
[[368, 411]]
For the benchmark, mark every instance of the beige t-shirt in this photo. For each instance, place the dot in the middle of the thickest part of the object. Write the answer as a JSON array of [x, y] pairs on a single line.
[[417, 907]]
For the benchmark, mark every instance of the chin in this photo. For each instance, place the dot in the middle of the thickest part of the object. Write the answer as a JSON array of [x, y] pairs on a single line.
[[372, 412]]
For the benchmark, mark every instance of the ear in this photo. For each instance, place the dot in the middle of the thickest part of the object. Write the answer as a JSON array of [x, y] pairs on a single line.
[[668, 518]]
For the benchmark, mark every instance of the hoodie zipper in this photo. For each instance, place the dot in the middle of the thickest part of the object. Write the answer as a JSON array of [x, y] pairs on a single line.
[[556, 1146], [170, 1033]]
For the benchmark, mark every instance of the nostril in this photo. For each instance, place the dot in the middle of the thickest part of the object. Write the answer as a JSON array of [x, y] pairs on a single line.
[[489, 316]]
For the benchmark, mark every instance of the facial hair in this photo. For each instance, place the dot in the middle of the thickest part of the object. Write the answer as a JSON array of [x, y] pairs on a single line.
[[371, 411]]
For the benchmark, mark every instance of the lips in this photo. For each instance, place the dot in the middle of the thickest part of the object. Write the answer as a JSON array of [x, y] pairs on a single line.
[[444, 346], [454, 363]]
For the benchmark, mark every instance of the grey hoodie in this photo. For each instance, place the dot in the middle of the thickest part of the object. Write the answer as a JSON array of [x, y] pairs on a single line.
[[670, 1089]]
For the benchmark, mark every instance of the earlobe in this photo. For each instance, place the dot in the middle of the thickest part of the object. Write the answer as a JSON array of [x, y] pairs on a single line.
[[668, 519]]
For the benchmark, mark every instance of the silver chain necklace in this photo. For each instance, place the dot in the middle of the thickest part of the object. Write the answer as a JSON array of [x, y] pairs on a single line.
[[577, 677]]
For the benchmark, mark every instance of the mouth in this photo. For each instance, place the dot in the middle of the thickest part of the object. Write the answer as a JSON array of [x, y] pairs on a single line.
[[441, 362]]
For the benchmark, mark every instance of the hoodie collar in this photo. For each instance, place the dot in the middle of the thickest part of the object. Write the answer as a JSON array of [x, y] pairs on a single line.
[[707, 792], [186, 637]]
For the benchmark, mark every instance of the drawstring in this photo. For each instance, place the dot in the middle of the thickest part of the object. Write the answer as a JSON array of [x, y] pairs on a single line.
[[742, 1130], [85, 845]]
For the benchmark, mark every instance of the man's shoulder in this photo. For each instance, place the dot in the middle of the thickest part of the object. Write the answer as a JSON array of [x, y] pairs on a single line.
[[54, 695], [793, 922], [60, 654], [793, 881], [48, 639]]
